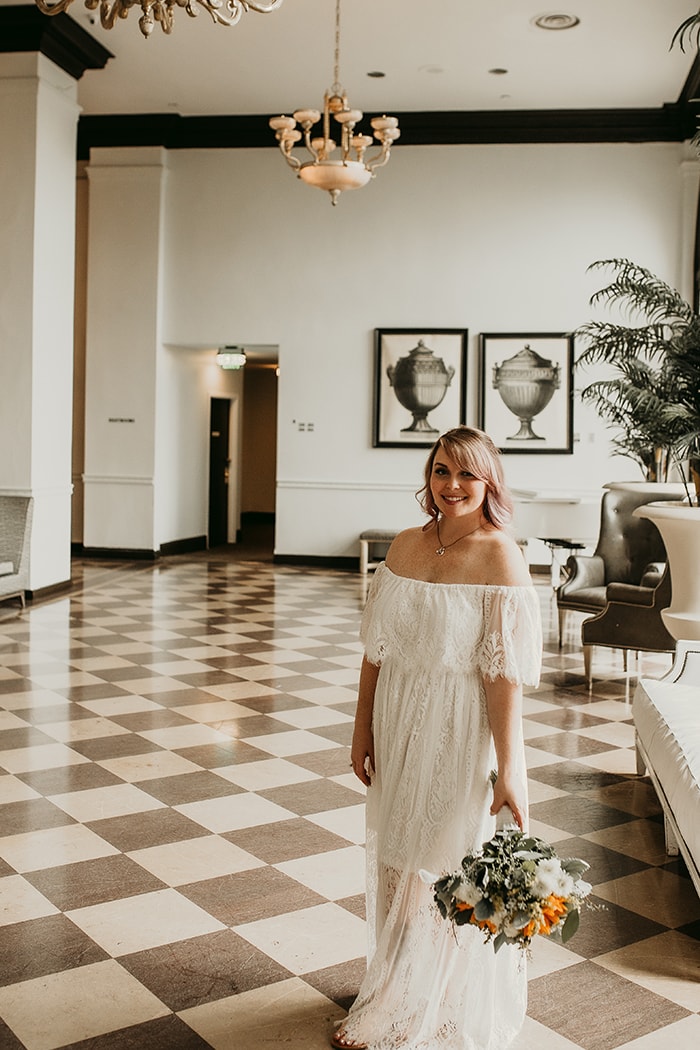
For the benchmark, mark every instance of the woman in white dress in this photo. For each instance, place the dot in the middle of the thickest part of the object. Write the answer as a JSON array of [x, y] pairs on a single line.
[[451, 633]]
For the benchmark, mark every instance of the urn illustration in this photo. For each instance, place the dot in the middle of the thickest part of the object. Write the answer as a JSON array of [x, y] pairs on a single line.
[[420, 381], [526, 383]]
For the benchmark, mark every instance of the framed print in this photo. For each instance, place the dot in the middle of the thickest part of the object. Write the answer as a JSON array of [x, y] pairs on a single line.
[[419, 384], [527, 391]]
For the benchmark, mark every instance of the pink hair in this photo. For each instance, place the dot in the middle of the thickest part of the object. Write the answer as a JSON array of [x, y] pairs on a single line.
[[472, 450]]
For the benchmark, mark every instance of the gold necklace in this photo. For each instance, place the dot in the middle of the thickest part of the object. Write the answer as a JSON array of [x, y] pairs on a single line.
[[445, 547]]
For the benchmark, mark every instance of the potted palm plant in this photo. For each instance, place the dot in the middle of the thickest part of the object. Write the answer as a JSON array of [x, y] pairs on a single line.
[[652, 400]]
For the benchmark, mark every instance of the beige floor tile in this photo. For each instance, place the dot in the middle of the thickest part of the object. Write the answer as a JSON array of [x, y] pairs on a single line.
[[536, 1036], [535, 758], [59, 1009], [231, 813], [104, 803], [619, 734], [178, 863], [84, 729], [145, 921], [194, 735], [52, 847], [120, 705], [40, 756], [267, 773], [657, 894], [549, 956], [238, 690], [8, 720], [617, 761], [312, 717], [215, 712], [539, 792], [683, 1035], [19, 901], [14, 790], [668, 965], [288, 1014], [335, 875], [638, 838], [150, 766], [348, 822], [291, 742], [309, 939], [328, 694]]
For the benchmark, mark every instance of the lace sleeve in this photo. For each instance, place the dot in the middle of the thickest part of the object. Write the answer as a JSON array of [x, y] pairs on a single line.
[[372, 635], [511, 644]]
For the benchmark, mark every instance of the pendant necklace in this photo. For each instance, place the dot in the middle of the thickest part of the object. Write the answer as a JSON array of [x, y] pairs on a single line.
[[445, 547]]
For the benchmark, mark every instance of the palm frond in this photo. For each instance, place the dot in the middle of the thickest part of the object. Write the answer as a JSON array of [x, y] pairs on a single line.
[[689, 30]]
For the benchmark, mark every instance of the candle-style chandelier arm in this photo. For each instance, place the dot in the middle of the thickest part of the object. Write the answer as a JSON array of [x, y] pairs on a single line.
[[223, 12], [351, 169]]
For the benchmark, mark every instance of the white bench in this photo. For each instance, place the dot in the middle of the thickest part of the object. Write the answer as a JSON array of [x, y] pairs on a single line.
[[667, 728], [374, 543]]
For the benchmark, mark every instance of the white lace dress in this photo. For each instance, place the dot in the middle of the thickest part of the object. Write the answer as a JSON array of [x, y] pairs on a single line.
[[427, 986]]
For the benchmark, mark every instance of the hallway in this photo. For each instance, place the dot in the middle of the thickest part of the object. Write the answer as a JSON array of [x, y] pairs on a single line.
[[181, 862]]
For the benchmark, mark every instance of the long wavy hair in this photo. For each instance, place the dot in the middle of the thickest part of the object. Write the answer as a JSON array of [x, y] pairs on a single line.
[[472, 450]]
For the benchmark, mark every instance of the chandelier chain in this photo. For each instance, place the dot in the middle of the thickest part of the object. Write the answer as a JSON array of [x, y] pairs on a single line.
[[336, 68]]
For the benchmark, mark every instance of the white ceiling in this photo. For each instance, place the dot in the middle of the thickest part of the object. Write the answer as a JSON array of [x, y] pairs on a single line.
[[436, 55]]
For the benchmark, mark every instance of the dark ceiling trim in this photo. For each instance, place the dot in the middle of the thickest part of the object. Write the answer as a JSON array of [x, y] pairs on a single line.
[[24, 28], [674, 122]]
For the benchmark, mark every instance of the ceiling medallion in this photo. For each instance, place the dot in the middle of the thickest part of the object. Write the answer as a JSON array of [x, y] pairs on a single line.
[[556, 21], [223, 12], [352, 169]]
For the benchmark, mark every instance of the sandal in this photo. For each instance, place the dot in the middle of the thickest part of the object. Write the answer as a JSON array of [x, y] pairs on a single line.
[[340, 1042]]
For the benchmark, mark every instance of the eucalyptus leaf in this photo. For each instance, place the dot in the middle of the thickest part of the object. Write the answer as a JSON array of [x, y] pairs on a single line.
[[571, 924]]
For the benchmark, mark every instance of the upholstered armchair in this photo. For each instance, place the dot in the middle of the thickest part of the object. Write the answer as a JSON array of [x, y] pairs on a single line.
[[631, 618], [15, 525], [626, 546]]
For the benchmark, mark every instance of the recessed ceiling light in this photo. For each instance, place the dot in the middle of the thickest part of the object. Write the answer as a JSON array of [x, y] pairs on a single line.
[[556, 21], [377, 73], [498, 71], [431, 69]]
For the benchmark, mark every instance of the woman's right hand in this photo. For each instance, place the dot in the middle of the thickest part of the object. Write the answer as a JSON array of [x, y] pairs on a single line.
[[362, 755]]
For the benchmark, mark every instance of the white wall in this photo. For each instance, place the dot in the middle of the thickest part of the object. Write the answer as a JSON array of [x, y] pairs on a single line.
[[187, 380], [491, 238]]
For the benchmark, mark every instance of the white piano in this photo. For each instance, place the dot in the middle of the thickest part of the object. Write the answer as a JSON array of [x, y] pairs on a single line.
[[551, 515]]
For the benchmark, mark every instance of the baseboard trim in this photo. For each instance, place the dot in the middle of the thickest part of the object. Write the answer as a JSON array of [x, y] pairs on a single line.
[[186, 546], [114, 553], [318, 562], [48, 592]]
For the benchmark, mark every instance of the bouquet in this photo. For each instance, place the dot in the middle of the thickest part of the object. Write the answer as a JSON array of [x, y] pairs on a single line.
[[514, 888]]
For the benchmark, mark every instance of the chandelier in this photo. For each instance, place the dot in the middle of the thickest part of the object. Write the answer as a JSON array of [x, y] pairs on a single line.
[[225, 12], [352, 169]]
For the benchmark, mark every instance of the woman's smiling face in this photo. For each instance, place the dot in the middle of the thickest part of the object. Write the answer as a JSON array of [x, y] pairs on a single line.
[[456, 491]]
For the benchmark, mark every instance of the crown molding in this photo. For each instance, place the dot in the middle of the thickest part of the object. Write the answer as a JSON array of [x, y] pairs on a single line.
[[68, 45], [674, 122]]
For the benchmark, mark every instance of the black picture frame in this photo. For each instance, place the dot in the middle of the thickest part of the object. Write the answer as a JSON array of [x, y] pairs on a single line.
[[428, 359], [528, 407]]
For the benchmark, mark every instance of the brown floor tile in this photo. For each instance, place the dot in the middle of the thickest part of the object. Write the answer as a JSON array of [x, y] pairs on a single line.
[[42, 946], [203, 969], [578, 815], [140, 830], [89, 882], [286, 840], [314, 796], [188, 787], [240, 898], [165, 1033], [597, 1009], [210, 756], [64, 779], [16, 818], [339, 983]]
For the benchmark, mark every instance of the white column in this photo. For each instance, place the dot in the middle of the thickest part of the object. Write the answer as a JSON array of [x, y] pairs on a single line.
[[123, 343], [690, 181], [38, 128]]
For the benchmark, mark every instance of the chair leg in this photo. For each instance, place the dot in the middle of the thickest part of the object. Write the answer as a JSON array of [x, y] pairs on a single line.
[[562, 614], [624, 660], [587, 670]]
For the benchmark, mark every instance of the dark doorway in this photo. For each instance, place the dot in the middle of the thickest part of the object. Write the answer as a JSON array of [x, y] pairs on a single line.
[[219, 464]]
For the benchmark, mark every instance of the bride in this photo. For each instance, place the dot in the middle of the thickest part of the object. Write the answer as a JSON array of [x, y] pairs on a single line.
[[451, 633]]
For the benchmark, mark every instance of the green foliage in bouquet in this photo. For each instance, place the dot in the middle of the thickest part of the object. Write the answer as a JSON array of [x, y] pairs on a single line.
[[514, 888]]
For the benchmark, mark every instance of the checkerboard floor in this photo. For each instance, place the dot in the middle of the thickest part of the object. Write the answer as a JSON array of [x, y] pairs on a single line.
[[181, 839]]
